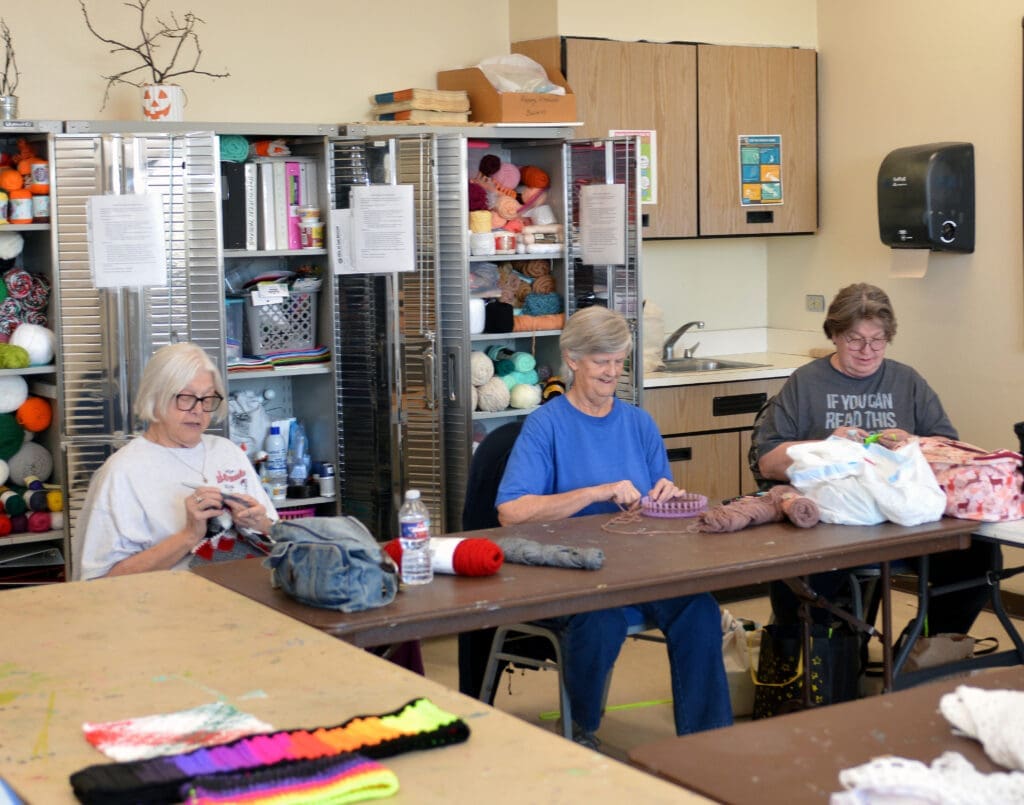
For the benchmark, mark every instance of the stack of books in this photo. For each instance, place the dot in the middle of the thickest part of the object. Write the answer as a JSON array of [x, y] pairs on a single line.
[[421, 105]]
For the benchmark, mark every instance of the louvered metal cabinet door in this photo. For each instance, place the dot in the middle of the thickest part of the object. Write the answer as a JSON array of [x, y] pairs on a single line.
[[387, 350], [106, 336], [609, 161]]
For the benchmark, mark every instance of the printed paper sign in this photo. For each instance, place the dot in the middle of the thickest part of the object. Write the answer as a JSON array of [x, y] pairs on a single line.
[[760, 169]]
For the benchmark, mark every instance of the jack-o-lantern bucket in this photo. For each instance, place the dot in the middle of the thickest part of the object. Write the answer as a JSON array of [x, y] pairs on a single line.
[[163, 102]]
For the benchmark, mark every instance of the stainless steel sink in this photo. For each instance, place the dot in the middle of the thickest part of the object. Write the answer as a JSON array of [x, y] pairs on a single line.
[[705, 365]]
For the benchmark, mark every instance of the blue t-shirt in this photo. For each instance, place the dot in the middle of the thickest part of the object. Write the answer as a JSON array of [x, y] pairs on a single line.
[[560, 449]]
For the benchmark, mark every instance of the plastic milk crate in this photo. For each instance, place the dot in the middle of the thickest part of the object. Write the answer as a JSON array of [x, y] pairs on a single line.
[[276, 328]]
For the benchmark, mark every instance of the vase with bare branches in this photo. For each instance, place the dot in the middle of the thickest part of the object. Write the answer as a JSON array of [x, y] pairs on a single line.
[[9, 77], [166, 50]]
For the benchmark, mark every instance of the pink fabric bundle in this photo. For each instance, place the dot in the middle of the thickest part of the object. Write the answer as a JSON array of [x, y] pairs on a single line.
[[779, 503], [979, 485]]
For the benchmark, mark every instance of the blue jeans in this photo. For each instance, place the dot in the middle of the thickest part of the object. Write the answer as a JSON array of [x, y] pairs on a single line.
[[693, 630]]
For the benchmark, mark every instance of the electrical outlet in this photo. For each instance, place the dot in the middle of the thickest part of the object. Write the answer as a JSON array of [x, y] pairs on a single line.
[[815, 302]]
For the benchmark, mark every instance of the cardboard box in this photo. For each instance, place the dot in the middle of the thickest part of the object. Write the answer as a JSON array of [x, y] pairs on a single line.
[[487, 105]]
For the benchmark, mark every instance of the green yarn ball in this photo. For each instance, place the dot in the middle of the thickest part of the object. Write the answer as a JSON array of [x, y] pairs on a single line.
[[12, 436]]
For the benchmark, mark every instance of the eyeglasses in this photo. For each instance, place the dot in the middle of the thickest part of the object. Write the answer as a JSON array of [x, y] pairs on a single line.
[[858, 343], [187, 402]]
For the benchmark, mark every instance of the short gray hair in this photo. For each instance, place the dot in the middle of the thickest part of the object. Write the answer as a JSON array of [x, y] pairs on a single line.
[[168, 371], [594, 330]]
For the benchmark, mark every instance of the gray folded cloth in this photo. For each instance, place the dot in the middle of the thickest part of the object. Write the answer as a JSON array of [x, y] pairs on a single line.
[[529, 552]]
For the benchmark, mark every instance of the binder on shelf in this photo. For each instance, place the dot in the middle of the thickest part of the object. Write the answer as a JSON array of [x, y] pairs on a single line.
[[251, 207], [266, 225], [292, 203], [233, 204]]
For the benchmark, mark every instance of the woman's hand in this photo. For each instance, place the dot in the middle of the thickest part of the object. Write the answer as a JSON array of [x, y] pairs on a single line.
[[894, 438], [622, 493], [664, 490], [201, 506], [853, 434], [247, 512]]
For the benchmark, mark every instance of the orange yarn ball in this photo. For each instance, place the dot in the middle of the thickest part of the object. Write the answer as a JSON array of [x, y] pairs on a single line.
[[35, 414], [532, 176], [10, 179]]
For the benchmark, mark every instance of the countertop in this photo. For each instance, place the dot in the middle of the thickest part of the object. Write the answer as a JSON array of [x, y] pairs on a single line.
[[777, 364]]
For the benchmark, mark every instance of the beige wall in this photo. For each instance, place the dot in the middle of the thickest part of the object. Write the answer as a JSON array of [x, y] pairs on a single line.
[[933, 71]]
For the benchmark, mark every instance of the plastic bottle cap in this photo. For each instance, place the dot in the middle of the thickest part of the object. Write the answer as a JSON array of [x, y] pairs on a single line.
[[412, 494]]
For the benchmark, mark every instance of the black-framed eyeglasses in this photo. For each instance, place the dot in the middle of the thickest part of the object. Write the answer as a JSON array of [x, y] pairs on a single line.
[[187, 402], [858, 343]]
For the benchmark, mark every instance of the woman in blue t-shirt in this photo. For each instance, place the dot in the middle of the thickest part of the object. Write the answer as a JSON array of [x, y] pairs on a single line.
[[588, 452]]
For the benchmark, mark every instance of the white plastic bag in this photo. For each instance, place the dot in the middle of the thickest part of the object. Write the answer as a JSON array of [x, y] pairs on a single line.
[[830, 473], [857, 484], [903, 484], [518, 73]]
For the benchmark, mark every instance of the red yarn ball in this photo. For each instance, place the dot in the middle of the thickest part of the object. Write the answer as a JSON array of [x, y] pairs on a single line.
[[477, 197], [532, 176]]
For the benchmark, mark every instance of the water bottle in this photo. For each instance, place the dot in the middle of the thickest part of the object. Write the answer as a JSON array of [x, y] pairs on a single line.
[[277, 464], [414, 536]]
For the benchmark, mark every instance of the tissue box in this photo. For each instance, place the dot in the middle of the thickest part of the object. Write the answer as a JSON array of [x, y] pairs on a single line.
[[487, 105]]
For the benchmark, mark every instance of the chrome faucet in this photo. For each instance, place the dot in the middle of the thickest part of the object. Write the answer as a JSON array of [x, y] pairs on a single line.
[[670, 342]]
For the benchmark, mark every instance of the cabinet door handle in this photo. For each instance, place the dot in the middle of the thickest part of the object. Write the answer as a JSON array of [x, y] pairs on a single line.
[[680, 454], [738, 404]]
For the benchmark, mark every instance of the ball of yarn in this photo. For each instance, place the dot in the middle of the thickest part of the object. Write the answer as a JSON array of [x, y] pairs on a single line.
[[38, 342], [18, 282], [38, 522], [481, 368], [12, 502], [11, 244], [535, 304], [13, 392], [493, 395], [523, 361], [12, 436], [524, 396], [507, 175], [5, 525], [507, 207], [56, 520], [35, 500], [474, 398], [19, 524], [38, 296], [511, 380], [477, 197], [5, 472], [532, 176], [31, 459], [35, 414], [13, 357], [544, 284], [489, 164], [554, 387], [10, 179]]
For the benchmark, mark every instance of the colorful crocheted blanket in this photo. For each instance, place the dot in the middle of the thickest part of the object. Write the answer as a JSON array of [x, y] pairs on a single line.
[[265, 766]]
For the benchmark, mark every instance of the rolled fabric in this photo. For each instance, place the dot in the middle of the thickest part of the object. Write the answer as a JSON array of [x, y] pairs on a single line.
[[529, 552], [737, 515], [799, 510], [457, 556]]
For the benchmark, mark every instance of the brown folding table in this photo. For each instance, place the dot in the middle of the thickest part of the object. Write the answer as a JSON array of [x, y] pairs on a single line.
[[796, 758]]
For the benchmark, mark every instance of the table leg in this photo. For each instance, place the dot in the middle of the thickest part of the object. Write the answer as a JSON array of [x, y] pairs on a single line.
[[886, 629]]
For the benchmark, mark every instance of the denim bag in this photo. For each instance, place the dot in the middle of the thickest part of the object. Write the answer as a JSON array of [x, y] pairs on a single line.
[[331, 562]]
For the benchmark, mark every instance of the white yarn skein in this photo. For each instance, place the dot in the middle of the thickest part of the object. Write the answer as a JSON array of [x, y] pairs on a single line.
[[493, 395], [481, 368], [524, 395]]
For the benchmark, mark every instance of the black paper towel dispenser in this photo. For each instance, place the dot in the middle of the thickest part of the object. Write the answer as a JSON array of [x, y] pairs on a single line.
[[926, 197]]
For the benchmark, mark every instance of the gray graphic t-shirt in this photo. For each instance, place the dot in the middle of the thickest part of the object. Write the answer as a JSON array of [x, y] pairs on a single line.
[[817, 399]]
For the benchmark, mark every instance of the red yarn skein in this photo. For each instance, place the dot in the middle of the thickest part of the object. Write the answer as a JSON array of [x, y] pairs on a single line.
[[473, 556]]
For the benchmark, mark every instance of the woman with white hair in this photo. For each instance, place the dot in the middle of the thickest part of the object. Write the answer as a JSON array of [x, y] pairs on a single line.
[[152, 502], [588, 452]]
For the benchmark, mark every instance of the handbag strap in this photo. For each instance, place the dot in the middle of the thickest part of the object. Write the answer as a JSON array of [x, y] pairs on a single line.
[[796, 675]]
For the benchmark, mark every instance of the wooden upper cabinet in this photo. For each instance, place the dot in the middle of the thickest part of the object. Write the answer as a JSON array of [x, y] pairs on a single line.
[[637, 85], [757, 91], [699, 99]]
